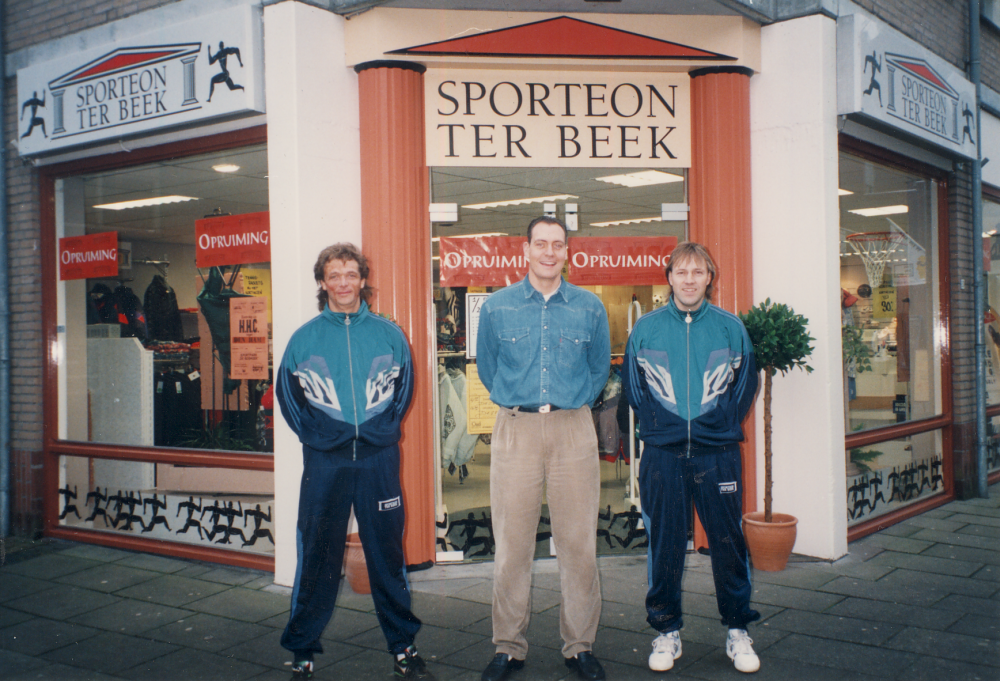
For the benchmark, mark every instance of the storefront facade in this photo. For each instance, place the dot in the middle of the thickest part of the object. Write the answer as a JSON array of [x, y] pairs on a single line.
[[432, 137]]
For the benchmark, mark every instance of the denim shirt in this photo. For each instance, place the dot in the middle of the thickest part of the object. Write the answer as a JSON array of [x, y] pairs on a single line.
[[531, 352]]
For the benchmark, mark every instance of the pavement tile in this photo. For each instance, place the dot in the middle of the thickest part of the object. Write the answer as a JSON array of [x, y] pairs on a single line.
[[936, 669], [173, 590], [718, 667], [980, 626], [62, 601], [912, 544], [447, 587], [629, 617], [862, 550], [900, 530], [37, 636], [842, 655], [432, 642], [895, 613], [972, 555], [193, 665], [837, 627], [706, 605], [968, 518], [709, 632], [261, 582], [940, 512], [149, 561], [989, 511], [947, 584], [943, 566], [242, 604], [59, 672], [109, 652], [987, 531], [10, 617], [195, 570], [50, 566], [343, 625], [104, 554], [800, 578], [108, 578], [443, 611], [963, 604], [624, 587], [230, 576], [266, 651], [955, 539], [13, 663], [17, 586], [922, 522], [207, 632], [346, 598], [989, 573], [947, 645], [788, 597], [903, 593], [131, 616], [868, 571]]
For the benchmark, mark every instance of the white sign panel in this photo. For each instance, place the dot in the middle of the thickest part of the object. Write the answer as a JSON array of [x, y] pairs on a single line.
[[473, 307], [557, 119], [885, 76], [201, 69]]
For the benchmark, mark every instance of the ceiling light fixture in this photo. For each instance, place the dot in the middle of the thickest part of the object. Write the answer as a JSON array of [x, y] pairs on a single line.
[[844, 192], [142, 203], [633, 221], [225, 168], [644, 178], [880, 210], [520, 202]]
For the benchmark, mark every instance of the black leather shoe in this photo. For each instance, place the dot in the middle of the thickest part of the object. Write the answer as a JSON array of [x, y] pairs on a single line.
[[502, 665], [586, 666]]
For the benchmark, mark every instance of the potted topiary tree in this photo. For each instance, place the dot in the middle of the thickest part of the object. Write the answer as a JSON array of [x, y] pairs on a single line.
[[780, 343]]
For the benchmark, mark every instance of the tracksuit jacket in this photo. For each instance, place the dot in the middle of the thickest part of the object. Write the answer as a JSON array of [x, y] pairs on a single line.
[[344, 385], [691, 378]]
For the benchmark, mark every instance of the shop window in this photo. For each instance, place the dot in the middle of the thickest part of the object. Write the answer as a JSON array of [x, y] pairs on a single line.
[[991, 273], [169, 344], [611, 210]]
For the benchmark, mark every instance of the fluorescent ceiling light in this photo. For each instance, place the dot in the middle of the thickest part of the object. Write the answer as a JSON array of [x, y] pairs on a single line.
[[225, 168], [844, 192], [642, 179], [468, 236], [142, 203], [520, 202], [880, 210], [633, 221]]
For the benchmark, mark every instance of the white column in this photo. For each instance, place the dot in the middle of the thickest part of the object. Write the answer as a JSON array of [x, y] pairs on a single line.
[[315, 198], [795, 244]]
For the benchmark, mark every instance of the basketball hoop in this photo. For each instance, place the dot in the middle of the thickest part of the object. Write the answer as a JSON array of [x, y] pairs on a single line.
[[875, 249]]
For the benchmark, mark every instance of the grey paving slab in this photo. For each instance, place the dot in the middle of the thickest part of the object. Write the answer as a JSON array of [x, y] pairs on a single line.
[[989, 573], [109, 652], [936, 669], [195, 570], [242, 604], [18, 586], [626, 587], [837, 627], [985, 531], [230, 576], [343, 625], [447, 587], [947, 645], [968, 518], [37, 636], [711, 633], [956, 539], [14, 664], [174, 590], [50, 566], [630, 617], [905, 593], [131, 617], [346, 598], [788, 597], [149, 561], [717, 667], [921, 563], [946, 584], [104, 554], [973, 555], [10, 617], [266, 651], [60, 672], [432, 642], [193, 665], [445, 612], [850, 568], [208, 632], [900, 530], [980, 626], [798, 577], [895, 613], [62, 601], [960, 603], [261, 582], [842, 655], [923, 522], [912, 544], [706, 605], [974, 509], [108, 577]]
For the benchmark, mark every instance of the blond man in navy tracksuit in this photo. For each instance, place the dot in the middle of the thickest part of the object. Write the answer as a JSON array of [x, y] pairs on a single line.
[[344, 385]]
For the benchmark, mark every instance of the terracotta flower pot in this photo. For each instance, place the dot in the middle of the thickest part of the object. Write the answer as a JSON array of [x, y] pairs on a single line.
[[771, 543], [355, 568]]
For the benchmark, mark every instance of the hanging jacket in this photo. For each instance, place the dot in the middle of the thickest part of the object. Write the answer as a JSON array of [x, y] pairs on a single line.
[[345, 382], [130, 314], [163, 318], [690, 382]]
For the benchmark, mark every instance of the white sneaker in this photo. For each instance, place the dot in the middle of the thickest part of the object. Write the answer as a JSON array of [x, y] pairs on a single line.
[[739, 648], [666, 649]]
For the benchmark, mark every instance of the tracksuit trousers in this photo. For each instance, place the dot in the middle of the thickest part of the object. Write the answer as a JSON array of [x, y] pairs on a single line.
[[669, 480], [331, 484]]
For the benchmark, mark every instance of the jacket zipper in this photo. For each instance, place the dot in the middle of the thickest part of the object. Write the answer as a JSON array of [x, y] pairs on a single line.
[[354, 401], [687, 329]]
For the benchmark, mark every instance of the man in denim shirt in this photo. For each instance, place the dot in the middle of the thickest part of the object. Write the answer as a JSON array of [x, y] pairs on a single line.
[[544, 354]]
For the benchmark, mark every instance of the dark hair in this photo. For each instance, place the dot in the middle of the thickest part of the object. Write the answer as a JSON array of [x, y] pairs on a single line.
[[690, 249], [546, 219], [342, 251]]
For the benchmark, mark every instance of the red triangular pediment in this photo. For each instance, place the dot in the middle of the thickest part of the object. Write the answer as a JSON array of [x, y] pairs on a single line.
[[124, 59], [563, 37]]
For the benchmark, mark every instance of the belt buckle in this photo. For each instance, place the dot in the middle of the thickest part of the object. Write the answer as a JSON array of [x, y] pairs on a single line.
[[545, 409]]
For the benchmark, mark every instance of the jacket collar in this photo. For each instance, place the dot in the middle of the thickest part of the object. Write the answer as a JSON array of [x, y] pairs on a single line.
[[339, 318], [682, 314], [561, 291]]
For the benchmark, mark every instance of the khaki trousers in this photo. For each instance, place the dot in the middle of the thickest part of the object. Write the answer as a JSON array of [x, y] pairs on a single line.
[[557, 450]]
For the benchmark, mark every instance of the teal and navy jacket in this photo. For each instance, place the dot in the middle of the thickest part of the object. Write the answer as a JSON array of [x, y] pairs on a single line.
[[345, 382], [691, 377]]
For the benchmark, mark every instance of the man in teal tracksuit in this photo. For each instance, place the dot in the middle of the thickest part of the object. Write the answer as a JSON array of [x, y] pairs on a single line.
[[690, 375], [344, 385]]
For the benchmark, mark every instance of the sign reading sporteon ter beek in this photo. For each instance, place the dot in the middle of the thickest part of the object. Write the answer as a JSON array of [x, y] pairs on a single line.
[[200, 69], [557, 119]]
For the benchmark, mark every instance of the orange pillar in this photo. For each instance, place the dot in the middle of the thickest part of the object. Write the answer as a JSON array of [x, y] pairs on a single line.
[[719, 196], [395, 232]]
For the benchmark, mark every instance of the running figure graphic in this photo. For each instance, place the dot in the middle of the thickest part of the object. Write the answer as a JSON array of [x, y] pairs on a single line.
[[34, 103], [876, 68], [222, 56]]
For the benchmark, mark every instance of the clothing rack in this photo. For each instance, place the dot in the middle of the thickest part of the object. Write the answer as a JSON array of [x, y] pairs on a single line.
[[160, 265]]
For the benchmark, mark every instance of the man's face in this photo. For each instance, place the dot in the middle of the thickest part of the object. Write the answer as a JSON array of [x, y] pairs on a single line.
[[342, 283], [546, 252], [689, 280]]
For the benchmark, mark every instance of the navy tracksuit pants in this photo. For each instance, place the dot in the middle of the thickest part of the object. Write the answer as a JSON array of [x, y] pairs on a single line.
[[669, 480], [331, 484]]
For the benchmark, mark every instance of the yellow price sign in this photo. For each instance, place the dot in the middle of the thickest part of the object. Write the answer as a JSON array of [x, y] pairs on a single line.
[[482, 411], [884, 302]]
